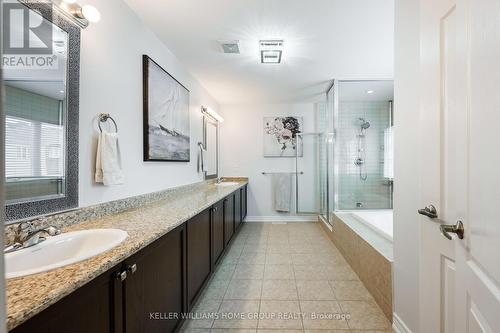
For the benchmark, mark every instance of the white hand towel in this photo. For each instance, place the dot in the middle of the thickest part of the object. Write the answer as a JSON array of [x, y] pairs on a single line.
[[108, 169], [282, 186]]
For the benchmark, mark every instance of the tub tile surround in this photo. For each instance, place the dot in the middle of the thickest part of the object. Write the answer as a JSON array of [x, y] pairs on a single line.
[[145, 219], [370, 256], [301, 291]]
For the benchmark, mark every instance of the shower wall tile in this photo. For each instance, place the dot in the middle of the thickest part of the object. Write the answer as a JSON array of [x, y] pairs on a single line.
[[374, 192]]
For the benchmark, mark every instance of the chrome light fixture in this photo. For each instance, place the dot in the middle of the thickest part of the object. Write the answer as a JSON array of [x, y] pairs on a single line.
[[212, 114], [271, 51], [80, 15]]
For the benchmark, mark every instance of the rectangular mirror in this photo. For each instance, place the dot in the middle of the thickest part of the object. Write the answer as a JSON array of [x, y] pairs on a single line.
[[41, 112], [210, 142]]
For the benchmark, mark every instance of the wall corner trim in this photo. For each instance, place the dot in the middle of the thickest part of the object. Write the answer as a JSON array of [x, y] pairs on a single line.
[[398, 324]]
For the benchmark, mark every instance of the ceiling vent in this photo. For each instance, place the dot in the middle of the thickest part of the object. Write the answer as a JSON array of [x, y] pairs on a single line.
[[230, 46], [271, 51]]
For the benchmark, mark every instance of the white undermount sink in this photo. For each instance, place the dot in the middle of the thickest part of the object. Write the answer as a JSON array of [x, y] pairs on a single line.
[[226, 184], [61, 250]]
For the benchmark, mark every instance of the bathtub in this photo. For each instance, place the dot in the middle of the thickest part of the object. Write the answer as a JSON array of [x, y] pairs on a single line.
[[380, 220]]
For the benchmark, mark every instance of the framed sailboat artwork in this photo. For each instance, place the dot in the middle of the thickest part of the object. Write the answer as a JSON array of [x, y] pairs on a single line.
[[166, 115]]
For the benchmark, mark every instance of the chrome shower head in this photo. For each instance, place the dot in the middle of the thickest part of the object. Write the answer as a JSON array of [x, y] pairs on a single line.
[[364, 124]]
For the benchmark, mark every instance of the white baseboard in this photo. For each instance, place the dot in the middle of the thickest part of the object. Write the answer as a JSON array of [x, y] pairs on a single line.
[[398, 324], [292, 218]]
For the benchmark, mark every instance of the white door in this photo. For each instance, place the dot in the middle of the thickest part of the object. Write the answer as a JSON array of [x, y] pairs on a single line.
[[460, 163]]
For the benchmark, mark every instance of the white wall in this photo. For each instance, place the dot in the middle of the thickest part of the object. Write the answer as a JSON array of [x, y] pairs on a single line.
[[111, 81], [242, 155], [406, 169]]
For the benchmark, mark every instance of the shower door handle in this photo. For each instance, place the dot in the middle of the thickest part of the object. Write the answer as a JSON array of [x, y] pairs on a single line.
[[429, 211]]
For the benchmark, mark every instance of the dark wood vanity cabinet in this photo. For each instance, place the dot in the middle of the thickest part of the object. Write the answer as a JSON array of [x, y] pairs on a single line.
[[237, 209], [228, 218], [153, 290], [90, 308], [199, 254], [218, 243], [244, 199], [150, 291]]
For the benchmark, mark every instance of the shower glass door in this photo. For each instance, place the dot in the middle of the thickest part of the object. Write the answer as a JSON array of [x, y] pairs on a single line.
[[307, 181]]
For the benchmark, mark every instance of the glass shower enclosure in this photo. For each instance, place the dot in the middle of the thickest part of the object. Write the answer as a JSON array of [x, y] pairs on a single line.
[[355, 147]]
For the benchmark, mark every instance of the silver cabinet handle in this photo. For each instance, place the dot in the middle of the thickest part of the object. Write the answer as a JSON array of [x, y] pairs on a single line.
[[429, 211], [121, 276], [457, 229], [132, 268]]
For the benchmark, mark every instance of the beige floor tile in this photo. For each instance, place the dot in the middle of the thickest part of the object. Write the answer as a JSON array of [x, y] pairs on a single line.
[[278, 272], [280, 315], [230, 259], [372, 331], [278, 248], [252, 258], [244, 290], [254, 247], [249, 272], [311, 272], [350, 291], [323, 315], [194, 330], [224, 272], [232, 330], [278, 259], [280, 331], [314, 290], [365, 315], [307, 259], [341, 273], [237, 314], [215, 289], [203, 314], [327, 331], [279, 290]]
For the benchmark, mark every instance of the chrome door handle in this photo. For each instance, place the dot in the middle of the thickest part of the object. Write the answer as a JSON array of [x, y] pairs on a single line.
[[457, 229], [429, 211]]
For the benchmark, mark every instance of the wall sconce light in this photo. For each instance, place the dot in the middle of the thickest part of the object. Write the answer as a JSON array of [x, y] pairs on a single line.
[[212, 114], [80, 15]]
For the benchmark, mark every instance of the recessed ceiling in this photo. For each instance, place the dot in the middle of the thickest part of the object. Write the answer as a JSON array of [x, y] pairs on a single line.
[[323, 40]]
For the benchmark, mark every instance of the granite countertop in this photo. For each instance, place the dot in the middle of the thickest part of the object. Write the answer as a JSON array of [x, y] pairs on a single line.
[[29, 295]]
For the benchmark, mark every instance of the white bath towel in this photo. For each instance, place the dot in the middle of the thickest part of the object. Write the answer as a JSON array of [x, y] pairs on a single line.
[[108, 168], [282, 186]]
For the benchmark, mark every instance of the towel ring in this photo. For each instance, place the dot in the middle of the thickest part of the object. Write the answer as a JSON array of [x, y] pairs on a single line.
[[103, 117]]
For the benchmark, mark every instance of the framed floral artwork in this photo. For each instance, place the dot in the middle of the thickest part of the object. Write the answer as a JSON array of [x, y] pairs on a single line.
[[280, 136]]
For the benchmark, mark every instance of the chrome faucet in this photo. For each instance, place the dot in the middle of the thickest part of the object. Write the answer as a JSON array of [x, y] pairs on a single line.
[[26, 236]]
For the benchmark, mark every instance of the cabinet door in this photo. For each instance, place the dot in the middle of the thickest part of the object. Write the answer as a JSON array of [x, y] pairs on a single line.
[[90, 308], [228, 218], [237, 209], [244, 202], [217, 231], [153, 289], [198, 254]]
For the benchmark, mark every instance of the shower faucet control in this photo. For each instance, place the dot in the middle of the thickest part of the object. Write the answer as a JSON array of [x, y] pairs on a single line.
[[359, 161]]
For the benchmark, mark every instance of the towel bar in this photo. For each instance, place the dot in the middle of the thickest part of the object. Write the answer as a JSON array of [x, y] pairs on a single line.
[[269, 173]]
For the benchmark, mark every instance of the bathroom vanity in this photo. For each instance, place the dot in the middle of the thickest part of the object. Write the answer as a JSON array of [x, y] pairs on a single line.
[[146, 283]]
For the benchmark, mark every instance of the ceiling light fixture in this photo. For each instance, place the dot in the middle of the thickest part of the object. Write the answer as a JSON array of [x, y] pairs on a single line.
[[271, 51], [230, 46], [212, 114], [369, 92]]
